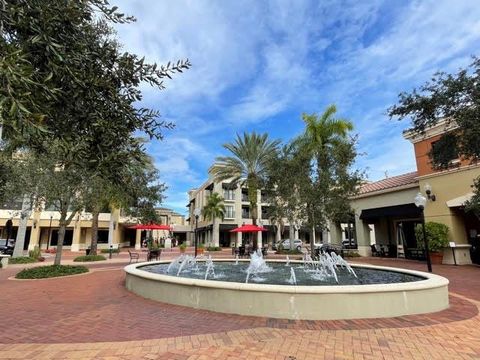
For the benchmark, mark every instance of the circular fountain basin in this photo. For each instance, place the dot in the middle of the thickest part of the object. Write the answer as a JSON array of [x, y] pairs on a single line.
[[420, 293]]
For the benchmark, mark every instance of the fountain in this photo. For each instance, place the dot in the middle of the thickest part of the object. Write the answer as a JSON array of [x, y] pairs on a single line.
[[293, 278], [313, 289]]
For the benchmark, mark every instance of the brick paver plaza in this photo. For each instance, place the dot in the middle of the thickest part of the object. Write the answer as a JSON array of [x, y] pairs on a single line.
[[93, 316]]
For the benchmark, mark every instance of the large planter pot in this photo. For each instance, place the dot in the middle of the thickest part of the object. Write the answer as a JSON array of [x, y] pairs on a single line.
[[436, 257]]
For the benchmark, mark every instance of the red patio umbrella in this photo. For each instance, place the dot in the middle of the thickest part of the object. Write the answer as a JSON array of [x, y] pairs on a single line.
[[151, 227], [249, 229]]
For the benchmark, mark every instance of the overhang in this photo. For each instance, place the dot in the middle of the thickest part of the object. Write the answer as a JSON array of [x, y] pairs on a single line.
[[459, 201], [404, 210]]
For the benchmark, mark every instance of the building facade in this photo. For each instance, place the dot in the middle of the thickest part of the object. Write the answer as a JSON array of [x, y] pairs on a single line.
[[113, 228], [237, 213]]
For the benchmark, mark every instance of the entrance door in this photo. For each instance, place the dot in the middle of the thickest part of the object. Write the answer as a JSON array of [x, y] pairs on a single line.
[[472, 226]]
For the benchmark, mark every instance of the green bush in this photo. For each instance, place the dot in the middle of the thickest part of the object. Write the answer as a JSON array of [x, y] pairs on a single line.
[[437, 236], [107, 251], [86, 258], [42, 272], [351, 253], [22, 260], [214, 248]]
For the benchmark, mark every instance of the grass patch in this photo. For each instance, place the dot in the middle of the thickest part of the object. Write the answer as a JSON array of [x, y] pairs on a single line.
[[22, 260], [86, 258], [43, 272], [107, 251]]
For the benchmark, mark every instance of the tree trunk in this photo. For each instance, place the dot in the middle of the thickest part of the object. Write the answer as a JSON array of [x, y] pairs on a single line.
[[93, 245], [213, 233], [22, 227], [61, 237], [291, 234]]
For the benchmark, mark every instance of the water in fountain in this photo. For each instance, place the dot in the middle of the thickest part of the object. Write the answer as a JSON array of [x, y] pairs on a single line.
[[175, 262], [343, 263], [210, 268], [188, 261], [293, 277], [236, 259], [257, 265]]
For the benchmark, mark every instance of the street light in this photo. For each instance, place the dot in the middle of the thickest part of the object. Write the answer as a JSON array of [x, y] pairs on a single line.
[[197, 213], [420, 202]]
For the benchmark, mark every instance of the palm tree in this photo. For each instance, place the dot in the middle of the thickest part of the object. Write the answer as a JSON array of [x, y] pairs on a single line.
[[322, 134], [251, 154], [214, 209], [323, 131]]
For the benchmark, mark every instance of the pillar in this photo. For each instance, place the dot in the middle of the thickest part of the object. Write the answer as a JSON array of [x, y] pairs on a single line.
[[239, 239], [216, 234], [335, 233], [138, 239], [259, 239], [363, 237], [295, 232], [77, 229], [35, 231]]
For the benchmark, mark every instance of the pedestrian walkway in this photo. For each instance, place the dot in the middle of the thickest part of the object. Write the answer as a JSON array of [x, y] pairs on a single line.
[[93, 316]]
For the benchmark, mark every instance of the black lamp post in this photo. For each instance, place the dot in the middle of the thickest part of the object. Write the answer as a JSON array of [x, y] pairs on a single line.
[[420, 202], [49, 231], [196, 212]]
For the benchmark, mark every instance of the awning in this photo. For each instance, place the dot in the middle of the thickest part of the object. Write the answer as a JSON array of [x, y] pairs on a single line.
[[459, 201], [405, 210]]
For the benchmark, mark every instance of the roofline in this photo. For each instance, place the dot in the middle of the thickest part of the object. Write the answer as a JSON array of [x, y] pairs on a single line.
[[439, 128], [386, 191]]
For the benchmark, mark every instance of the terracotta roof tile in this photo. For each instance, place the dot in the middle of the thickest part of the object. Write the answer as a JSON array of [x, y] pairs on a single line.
[[389, 183]]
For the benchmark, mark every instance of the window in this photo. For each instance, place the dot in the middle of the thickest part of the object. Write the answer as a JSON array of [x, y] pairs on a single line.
[[444, 152], [228, 194], [265, 212], [229, 212], [244, 195], [245, 212]]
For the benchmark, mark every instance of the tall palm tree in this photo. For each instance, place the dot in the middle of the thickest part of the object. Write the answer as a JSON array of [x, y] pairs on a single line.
[[247, 165], [322, 134], [322, 131], [213, 209]]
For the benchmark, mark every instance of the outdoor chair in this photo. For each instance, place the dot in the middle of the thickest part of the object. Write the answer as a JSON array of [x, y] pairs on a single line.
[[133, 256], [375, 252], [153, 254]]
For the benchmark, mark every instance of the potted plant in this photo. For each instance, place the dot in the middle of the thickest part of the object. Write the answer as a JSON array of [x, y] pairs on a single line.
[[200, 249], [437, 237], [182, 248]]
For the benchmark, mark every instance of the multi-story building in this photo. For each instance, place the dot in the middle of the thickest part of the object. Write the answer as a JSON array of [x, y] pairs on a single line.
[[237, 213], [448, 190], [386, 208], [42, 228]]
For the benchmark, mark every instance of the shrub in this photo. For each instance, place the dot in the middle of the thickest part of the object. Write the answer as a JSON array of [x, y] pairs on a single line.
[[183, 246], [437, 236], [107, 251], [22, 260], [351, 253], [42, 272], [35, 253], [214, 248], [86, 258]]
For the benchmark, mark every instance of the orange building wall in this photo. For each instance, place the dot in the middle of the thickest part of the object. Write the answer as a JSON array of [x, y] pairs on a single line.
[[424, 165]]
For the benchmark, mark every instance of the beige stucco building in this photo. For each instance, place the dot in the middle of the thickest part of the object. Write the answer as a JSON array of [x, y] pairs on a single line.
[[113, 228]]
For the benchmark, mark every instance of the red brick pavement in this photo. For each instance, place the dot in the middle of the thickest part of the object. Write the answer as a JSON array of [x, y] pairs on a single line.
[[97, 307]]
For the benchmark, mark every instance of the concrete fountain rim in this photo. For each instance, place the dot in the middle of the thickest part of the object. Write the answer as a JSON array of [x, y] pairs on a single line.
[[430, 281]]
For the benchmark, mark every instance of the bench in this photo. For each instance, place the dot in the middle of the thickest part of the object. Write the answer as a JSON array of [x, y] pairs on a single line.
[[133, 256], [4, 260]]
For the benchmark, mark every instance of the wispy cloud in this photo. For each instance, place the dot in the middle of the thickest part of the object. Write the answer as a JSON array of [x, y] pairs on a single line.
[[258, 64]]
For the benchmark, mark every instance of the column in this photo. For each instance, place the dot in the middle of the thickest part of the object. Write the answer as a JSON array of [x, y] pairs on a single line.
[[363, 237], [35, 231], [259, 239], [335, 233], [77, 229], [295, 232], [138, 239], [239, 239], [216, 234]]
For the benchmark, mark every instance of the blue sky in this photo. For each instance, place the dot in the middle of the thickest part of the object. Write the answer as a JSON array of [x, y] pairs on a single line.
[[257, 65]]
